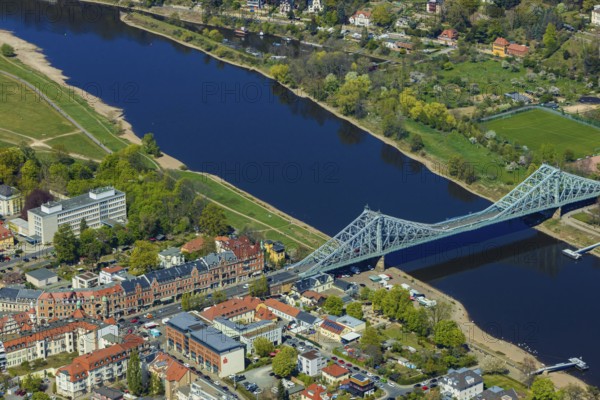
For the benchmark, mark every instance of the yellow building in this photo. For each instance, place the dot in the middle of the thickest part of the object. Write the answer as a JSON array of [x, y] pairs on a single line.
[[7, 241], [275, 251], [11, 201], [333, 330], [499, 47]]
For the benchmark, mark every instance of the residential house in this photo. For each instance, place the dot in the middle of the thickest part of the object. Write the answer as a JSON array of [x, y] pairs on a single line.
[[349, 288], [235, 309], [332, 330], [499, 47], [252, 4], [315, 392], [518, 97], [275, 251], [85, 281], [317, 283], [96, 369], [310, 298], [334, 374], [281, 310], [7, 240], [211, 349], [360, 385], [18, 323], [314, 6], [111, 274], [83, 336], [434, 6], [41, 277], [174, 374], [170, 257], [497, 393], [448, 37], [102, 206], [311, 362], [285, 6], [11, 201], [106, 393], [463, 384], [196, 391], [517, 50], [193, 245], [307, 321], [361, 18], [18, 300], [596, 15]]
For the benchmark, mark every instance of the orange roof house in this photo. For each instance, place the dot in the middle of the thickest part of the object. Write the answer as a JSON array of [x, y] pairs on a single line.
[[517, 50], [315, 392], [234, 309], [448, 35], [334, 374], [172, 372], [282, 310], [193, 245]]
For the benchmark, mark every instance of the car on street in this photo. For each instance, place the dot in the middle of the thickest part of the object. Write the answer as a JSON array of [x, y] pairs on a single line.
[[370, 374], [217, 383], [134, 320], [356, 368], [425, 388], [334, 358], [417, 385], [26, 259]]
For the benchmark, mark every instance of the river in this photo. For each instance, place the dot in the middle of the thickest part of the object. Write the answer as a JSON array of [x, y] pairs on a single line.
[[305, 161]]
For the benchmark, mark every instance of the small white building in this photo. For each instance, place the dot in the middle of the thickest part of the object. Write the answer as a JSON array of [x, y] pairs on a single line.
[[353, 324], [311, 363], [85, 281], [171, 257], [361, 18], [314, 6], [111, 274], [596, 15], [463, 384]]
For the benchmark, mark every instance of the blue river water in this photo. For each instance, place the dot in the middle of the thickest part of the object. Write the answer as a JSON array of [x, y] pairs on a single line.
[[291, 153]]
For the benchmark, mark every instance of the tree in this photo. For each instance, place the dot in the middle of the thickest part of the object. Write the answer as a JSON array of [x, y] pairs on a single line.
[[282, 393], [550, 39], [377, 297], [260, 287], [543, 389], [31, 383], [355, 310], [219, 296], [7, 50], [365, 293], [134, 374], [157, 388], [40, 396], [150, 146], [572, 392], [285, 361], [34, 199], [281, 73], [66, 244], [333, 305], [263, 346], [416, 142], [568, 155], [30, 172], [448, 334], [382, 15], [527, 368], [370, 337], [442, 310], [144, 258], [213, 220]]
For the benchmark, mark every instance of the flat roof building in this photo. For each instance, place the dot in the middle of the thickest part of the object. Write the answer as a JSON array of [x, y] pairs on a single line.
[[41, 277], [101, 206], [85, 281]]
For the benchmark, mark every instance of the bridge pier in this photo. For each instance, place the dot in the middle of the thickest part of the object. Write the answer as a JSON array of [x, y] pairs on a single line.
[[557, 214], [380, 266]]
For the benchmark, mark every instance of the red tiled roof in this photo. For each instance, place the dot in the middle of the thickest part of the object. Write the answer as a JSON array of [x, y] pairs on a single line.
[[335, 370], [517, 48], [241, 247], [193, 245], [265, 314], [112, 270], [449, 34], [365, 13], [282, 307], [172, 370], [311, 294], [500, 41], [314, 391], [25, 341], [231, 308], [5, 233]]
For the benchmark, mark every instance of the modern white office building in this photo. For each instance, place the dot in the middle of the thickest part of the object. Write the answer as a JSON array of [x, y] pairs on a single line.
[[102, 206]]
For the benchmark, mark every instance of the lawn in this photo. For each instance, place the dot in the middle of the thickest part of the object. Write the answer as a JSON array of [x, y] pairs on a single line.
[[54, 361], [79, 144], [24, 113], [536, 127], [504, 382]]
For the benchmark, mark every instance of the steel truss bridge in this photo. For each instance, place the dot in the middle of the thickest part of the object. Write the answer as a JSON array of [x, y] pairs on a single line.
[[374, 234]]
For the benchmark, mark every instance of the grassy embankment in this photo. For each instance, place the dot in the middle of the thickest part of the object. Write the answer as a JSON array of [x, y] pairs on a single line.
[[49, 124]]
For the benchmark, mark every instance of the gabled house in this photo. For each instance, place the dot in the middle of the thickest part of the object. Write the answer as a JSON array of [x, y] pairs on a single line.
[[314, 6], [334, 374], [315, 392], [448, 37], [173, 374], [463, 384], [497, 393], [361, 18]]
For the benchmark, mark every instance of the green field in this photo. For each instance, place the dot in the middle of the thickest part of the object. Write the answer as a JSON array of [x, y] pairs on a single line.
[[536, 127], [79, 144]]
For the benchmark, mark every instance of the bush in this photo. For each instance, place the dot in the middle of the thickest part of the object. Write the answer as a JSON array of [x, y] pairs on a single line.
[[7, 50]]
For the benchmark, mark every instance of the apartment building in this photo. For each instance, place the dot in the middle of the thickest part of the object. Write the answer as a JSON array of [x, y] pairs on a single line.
[[311, 362], [11, 201], [98, 207]]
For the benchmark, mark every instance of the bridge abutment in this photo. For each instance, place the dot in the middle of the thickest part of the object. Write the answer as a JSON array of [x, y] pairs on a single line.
[[380, 266], [557, 214]]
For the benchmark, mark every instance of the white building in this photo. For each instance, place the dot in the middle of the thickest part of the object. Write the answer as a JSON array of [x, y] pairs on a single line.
[[111, 274], [596, 15], [463, 384], [361, 18], [311, 362], [314, 6], [11, 201], [194, 392], [41, 277], [170, 257], [246, 334], [102, 206], [85, 281]]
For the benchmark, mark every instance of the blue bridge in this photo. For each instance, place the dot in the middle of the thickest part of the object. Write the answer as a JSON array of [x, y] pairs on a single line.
[[374, 234]]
